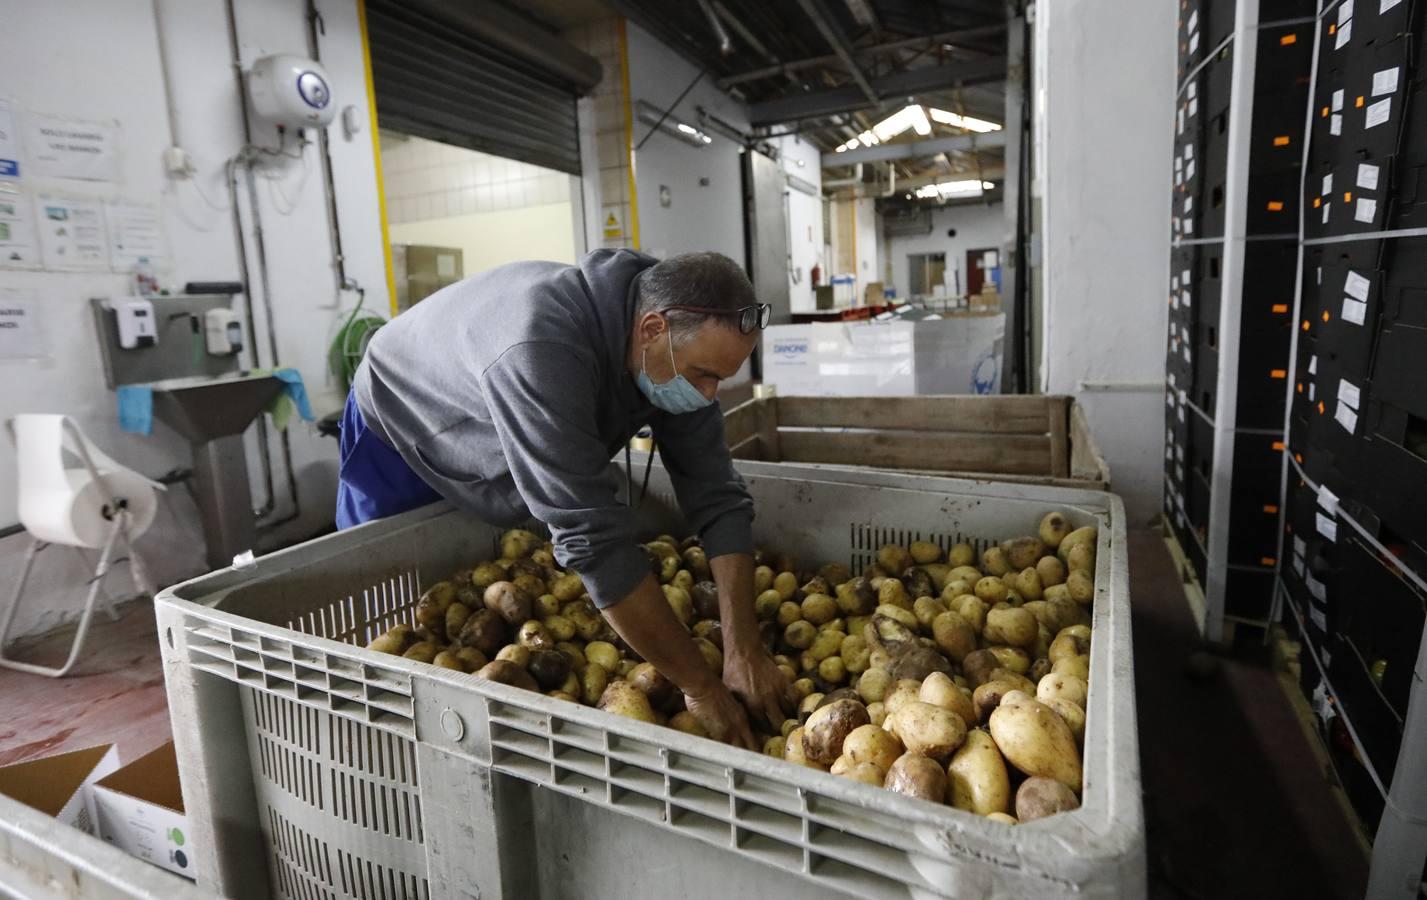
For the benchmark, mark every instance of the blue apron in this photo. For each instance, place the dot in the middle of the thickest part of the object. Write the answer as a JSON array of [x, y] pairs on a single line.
[[374, 481]]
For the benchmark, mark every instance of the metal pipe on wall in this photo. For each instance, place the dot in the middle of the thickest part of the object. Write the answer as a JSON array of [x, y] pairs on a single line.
[[244, 157], [725, 45]]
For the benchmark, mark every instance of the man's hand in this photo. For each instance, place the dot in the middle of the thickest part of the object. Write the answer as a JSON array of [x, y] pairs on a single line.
[[722, 716], [754, 679]]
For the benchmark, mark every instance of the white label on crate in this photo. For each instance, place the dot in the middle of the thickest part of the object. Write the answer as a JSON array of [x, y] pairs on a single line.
[[1327, 184], [1174, 299], [1385, 5], [1338, 100], [1188, 224], [1345, 33], [1346, 418], [1328, 500], [1298, 565], [1193, 20], [1367, 176], [1178, 177], [1188, 151], [1185, 351], [1179, 471], [1329, 529], [1171, 379], [1181, 414], [1316, 587], [1187, 297], [1384, 82], [1312, 392], [1185, 279], [1320, 275], [1365, 209], [1179, 452], [1345, 12], [1335, 125], [1178, 128], [1378, 113], [1354, 310], [1300, 546], [1356, 286], [1169, 399], [1179, 517], [1189, 204], [1326, 207], [1189, 170], [1169, 453], [1193, 107], [1313, 364], [1316, 615], [1173, 282], [1349, 393], [1194, 42]]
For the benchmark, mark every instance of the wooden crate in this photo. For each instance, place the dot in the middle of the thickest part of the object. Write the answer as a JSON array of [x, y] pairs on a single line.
[[1037, 438]]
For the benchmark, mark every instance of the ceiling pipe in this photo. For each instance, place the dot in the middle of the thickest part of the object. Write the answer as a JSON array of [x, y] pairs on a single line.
[[795, 65], [748, 37], [836, 183], [725, 44], [838, 42], [891, 180]]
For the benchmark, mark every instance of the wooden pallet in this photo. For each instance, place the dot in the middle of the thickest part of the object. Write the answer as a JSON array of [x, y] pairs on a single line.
[[1035, 438]]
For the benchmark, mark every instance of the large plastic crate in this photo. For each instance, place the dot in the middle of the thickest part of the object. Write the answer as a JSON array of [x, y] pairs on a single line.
[[313, 767], [42, 858]]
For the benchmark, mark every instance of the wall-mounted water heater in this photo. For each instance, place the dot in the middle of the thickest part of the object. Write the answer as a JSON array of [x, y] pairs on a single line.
[[291, 92]]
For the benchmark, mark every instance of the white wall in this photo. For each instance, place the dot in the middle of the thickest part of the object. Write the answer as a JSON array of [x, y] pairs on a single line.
[[868, 226], [98, 60], [806, 242], [430, 180], [699, 217], [496, 210], [493, 239], [976, 227], [1105, 184]]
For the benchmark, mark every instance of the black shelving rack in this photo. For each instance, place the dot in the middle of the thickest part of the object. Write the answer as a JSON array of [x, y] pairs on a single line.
[[1351, 583], [1244, 71]]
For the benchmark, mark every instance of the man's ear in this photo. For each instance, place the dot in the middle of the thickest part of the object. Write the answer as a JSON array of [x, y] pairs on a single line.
[[651, 325]]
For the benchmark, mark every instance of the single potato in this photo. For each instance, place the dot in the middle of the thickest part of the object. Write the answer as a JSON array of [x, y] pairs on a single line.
[[1039, 797], [977, 776], [1035, 740], [928, 730], [917, 776]]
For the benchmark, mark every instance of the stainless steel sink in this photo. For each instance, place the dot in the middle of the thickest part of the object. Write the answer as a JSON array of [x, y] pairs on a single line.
[[212, 412], [202, 408]]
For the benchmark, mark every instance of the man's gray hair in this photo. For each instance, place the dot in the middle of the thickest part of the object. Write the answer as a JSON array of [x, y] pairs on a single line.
[[710, 280]]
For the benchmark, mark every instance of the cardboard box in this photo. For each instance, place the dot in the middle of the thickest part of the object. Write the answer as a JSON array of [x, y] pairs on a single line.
[[139, 809], [958, 353], [59, 785]]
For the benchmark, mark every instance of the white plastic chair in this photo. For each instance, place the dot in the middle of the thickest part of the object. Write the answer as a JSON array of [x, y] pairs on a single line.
[[97, 504]]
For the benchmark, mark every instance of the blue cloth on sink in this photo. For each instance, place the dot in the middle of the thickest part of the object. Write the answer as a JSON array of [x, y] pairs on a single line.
[[293, 396], [136, 408]]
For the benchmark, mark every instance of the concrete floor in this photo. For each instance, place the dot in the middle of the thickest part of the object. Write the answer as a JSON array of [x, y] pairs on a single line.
[[1237, 804]]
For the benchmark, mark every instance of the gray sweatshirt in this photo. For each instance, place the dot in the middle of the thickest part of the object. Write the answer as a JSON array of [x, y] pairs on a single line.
[[508, 393]]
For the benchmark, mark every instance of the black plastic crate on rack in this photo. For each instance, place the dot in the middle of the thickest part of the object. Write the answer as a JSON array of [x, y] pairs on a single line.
[[1393, 470], [1248, 594], [1382, 613]]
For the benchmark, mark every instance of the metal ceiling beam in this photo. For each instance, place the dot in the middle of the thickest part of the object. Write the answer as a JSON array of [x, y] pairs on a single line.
[[963, 34], [838, 41], [905, 83], [914, 149]]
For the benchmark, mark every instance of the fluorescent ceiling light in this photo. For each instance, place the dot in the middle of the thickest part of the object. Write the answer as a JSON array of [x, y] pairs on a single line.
[[868, 139], [953, 189], [913, 117], [987, 185], [653, 115], [966, 122]]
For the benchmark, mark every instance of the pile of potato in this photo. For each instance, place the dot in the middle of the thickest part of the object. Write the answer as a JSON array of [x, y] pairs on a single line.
[[942, 676]]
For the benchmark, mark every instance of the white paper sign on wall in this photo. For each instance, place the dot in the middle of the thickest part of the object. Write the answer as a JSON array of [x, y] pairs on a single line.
[[17, 229], [69, 148], [9, 143], [72, 233], [22, 334]]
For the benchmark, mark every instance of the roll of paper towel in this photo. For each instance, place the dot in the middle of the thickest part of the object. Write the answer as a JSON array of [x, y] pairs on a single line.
[[81, 516]]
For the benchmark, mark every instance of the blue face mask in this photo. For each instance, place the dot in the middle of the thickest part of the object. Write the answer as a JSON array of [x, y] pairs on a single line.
[[676, 395]]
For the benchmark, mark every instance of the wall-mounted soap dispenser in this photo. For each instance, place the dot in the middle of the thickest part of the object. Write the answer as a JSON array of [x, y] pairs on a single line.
[[223, 333]]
